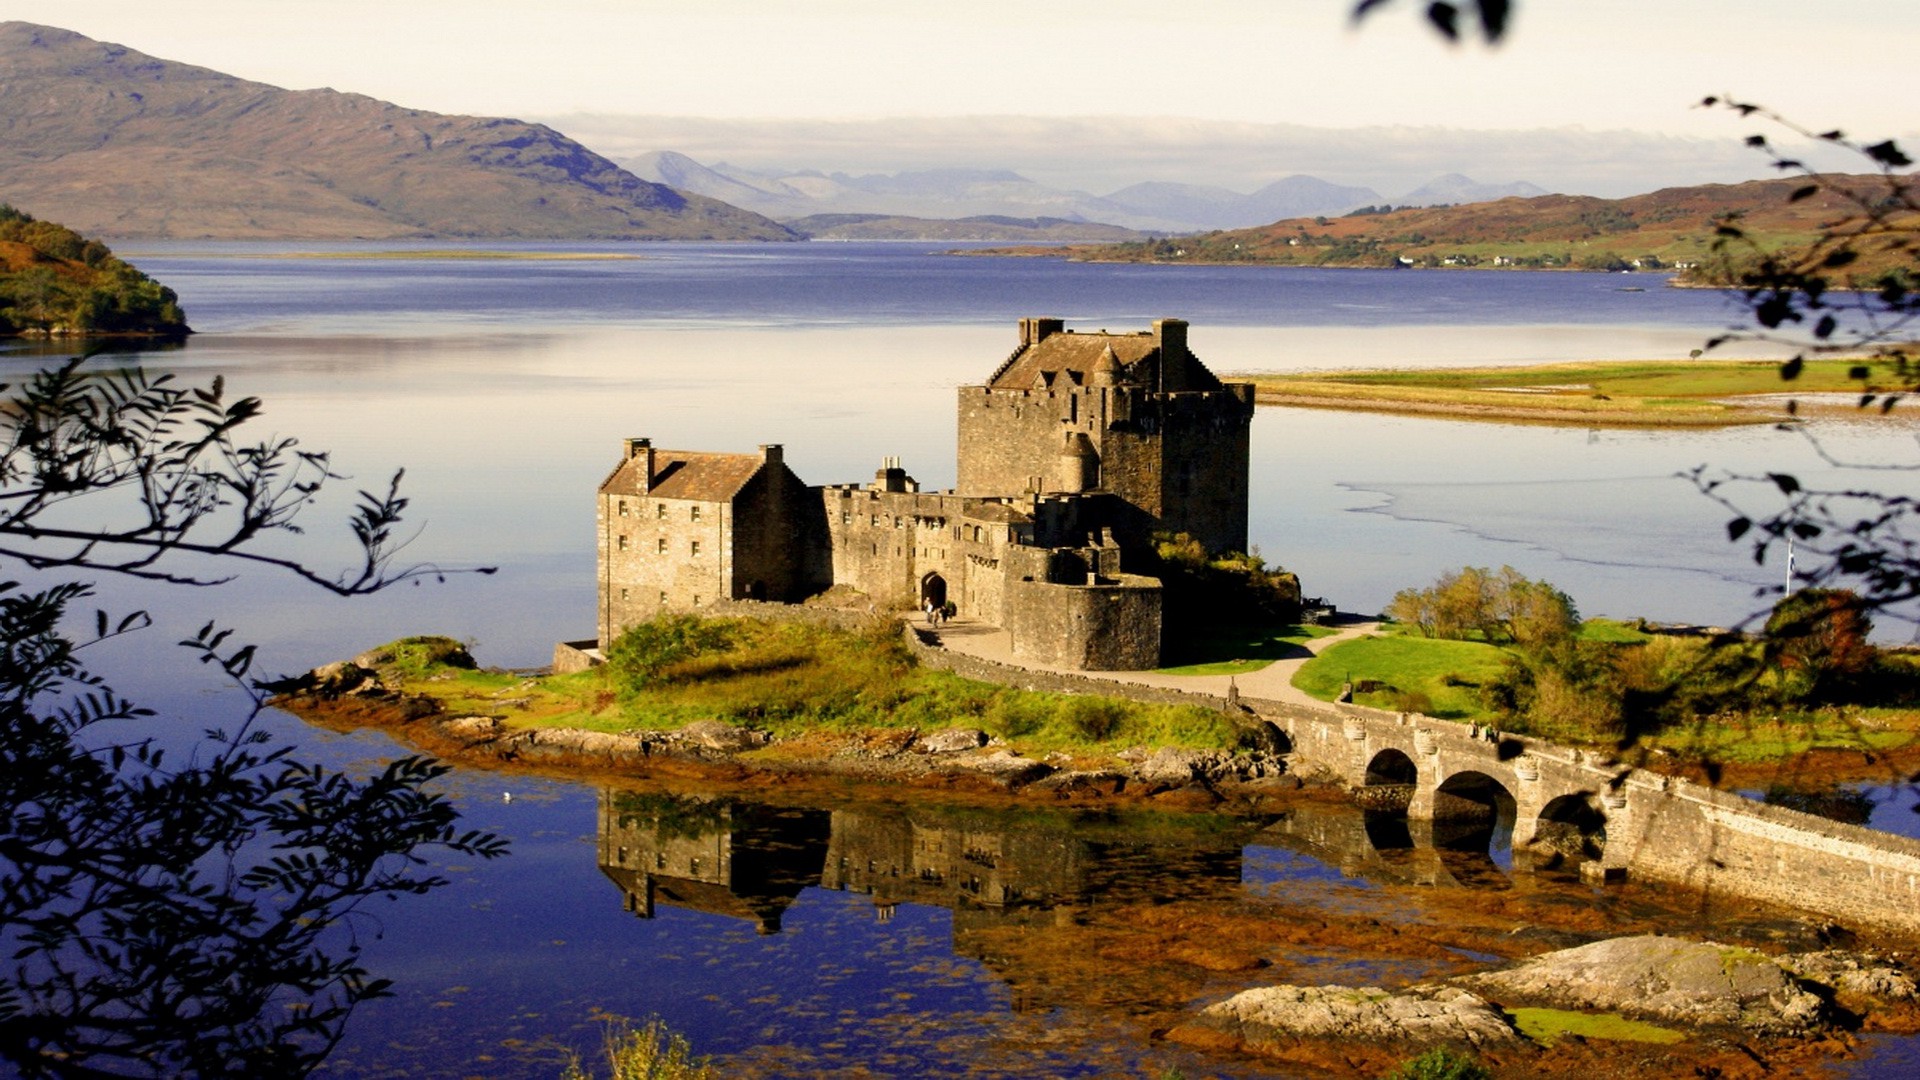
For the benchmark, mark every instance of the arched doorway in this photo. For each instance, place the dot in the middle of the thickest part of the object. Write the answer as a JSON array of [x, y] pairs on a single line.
[[933, 590]]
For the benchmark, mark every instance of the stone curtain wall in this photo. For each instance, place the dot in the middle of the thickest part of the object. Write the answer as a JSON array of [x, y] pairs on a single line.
[[1092, 627]]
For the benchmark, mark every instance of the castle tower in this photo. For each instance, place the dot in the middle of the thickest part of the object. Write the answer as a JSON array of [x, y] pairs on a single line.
[[1133, 415]]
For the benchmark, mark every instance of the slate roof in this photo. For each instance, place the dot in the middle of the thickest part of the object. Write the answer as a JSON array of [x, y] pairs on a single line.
[[685, 474], [1065, 360]]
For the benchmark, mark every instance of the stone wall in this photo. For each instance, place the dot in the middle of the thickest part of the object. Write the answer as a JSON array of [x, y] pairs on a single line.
[[779, 538], [660, 554], [1052, 682], [1718, 842], [1110, 626]]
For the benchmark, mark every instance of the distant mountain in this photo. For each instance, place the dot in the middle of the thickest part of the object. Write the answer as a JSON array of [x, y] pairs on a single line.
[[1454, 189], [1155, 206], [113, 142], [987, 227], [1673, 228], [932, 193], [1219, 208]]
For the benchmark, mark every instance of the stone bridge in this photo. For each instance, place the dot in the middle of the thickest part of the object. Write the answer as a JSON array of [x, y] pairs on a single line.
[[1465, 794], [1449, 806]]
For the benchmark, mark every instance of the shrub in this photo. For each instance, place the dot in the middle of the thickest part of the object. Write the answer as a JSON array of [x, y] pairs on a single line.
[[1440, 1063], [644, 651], [654, 1052]]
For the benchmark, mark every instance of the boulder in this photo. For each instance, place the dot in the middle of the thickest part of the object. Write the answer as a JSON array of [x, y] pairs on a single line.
[[1691, 983], [1853, 976], [950, 741], [1171, 766], [1272, 1019], [1002, 767], [720, 736]]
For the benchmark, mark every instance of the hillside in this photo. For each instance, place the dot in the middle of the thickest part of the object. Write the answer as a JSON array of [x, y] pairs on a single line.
[[55, 281], [117, 143], [1666, 229]]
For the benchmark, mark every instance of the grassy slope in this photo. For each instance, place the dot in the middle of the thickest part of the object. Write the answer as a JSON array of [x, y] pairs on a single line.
[[791, 679]]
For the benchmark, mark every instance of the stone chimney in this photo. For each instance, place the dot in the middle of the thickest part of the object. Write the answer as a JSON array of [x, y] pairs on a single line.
[[643, 448], [771, 454], [1171, 336], [1034, 331]]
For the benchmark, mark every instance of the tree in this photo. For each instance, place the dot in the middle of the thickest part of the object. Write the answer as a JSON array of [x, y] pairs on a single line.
[[161, 916], [1820, 637]]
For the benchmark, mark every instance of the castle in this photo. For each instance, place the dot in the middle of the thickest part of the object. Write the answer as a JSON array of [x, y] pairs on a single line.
[[1072, 455]]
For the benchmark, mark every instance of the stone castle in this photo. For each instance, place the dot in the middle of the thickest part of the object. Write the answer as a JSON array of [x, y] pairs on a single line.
[[1072, 455]]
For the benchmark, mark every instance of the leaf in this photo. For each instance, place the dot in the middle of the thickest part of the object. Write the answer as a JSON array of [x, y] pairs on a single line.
[[1738, 527], [1887, 154], [1786, 483], [1806, 192], [1445, 18], [1824, 328], [1790, 370]]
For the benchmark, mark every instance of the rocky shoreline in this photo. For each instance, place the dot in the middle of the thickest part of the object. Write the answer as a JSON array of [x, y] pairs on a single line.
[[1730, 1010]]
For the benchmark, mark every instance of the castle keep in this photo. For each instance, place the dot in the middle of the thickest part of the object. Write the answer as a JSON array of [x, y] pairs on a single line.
[[1074, 452]]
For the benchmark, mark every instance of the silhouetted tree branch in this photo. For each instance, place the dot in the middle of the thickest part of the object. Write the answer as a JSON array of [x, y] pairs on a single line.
[[177, 917]]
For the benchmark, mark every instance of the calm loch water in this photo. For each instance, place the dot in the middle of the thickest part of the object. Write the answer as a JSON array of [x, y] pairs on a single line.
[[880, 940]]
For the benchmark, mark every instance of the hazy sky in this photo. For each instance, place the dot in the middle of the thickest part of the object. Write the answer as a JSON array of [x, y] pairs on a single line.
[[1208, 79]]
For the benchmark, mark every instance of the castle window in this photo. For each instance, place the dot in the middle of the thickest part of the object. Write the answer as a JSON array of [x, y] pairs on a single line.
[[623, 508], [623, 595], [695, 511], [873, 520], [660, 545], [621, 542], [663, 597], [696, 599], [846, 517], [660, 511], [696, 547]]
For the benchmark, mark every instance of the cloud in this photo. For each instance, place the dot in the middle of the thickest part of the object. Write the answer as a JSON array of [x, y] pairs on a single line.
[[1103, 154]]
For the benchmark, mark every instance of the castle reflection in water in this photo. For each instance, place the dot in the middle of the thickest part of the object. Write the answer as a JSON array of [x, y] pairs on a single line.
[[750, 861]]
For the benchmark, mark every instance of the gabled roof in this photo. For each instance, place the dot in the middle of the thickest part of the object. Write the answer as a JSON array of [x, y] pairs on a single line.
[[1069, 358], [685, 474]]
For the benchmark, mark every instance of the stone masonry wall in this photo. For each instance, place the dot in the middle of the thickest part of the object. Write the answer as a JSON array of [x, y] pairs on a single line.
[[658, 554]]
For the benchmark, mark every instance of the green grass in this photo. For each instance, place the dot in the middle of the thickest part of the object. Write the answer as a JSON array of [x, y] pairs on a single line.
[[1613, 632], [1547, 1026], [790, 679], [1418, 674], [1241, 649]]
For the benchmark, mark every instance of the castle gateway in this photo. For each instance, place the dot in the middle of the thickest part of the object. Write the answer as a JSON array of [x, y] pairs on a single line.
[[1072, 455]]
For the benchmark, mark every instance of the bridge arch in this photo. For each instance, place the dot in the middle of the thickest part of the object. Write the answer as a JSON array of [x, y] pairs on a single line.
[[1390, 783], [1571, 827], [1473, 819]]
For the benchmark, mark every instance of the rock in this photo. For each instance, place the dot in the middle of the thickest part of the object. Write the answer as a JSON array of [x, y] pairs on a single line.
[[1170, 766], [1082, 781], [1271, 1019], [721, 736], [1004, 768], [1697, 984], [953, 740], [471, 727], [342, 678], [1853, 975]]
